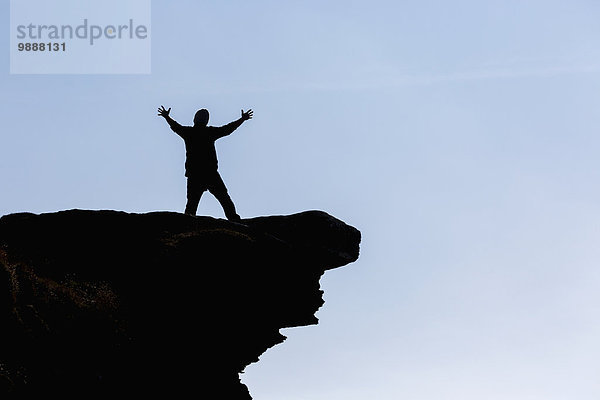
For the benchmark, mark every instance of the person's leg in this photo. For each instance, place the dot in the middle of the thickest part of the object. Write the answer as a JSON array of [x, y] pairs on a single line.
[[217, 187], [195, 188]]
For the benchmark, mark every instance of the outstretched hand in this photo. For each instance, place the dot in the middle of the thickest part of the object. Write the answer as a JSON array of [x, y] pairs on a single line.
[[245, 115], [163, 112]]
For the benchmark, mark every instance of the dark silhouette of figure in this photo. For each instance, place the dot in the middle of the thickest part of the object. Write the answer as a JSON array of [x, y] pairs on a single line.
[[201, 166]]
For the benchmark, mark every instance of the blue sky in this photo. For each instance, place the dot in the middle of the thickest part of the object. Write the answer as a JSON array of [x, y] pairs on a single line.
[[460, 137]]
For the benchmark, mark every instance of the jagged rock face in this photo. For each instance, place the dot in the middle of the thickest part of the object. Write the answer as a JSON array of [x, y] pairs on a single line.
[[104, 303]]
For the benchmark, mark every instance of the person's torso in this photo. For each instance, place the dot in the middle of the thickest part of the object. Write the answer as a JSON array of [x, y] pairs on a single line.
[[200, 151]]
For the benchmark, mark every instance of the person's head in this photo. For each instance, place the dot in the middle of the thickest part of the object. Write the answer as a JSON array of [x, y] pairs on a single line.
[[201, 117]]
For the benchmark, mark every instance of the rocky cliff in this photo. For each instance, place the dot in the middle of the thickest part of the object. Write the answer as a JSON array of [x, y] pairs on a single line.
[[106, 303]]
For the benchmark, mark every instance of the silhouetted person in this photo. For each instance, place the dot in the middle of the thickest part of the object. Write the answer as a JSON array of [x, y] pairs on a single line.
[[201, 166]]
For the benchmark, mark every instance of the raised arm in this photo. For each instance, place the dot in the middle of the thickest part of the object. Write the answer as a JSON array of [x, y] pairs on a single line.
[[232, 126], [175, 126]]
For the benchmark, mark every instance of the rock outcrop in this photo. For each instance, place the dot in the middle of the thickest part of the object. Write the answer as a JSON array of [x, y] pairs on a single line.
[[107, 303]]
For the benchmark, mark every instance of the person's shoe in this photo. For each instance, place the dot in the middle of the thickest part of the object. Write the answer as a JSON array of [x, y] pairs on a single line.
[[234, 218]]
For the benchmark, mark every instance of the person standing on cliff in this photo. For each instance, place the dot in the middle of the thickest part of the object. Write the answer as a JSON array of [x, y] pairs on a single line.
[[201, 166]]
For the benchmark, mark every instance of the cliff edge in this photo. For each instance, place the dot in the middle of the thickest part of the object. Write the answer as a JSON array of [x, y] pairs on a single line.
[[104, 303]]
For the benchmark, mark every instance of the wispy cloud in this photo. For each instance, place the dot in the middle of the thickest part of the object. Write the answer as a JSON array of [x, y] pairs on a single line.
[[390, 80]]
